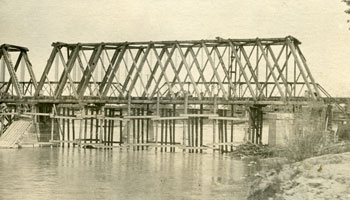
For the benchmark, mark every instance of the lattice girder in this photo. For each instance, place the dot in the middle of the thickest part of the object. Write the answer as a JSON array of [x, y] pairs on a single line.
[[229, 68]]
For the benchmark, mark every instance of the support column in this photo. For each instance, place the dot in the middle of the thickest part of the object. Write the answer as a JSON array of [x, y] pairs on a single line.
[[82, 112], [255, 124], [157, 114], [214, 122], [185, 122], [102, 124], [128, 123]]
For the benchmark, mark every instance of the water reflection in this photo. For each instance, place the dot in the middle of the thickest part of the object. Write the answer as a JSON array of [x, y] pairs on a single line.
[[72, 173]]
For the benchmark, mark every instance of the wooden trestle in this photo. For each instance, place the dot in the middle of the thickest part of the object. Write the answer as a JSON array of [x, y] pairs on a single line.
[[163, 127]]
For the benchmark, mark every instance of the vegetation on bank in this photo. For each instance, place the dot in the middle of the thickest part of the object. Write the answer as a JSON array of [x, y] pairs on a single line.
[[311, 153]]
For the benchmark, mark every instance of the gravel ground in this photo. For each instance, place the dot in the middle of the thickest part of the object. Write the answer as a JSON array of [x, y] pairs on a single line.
[[323, 177]]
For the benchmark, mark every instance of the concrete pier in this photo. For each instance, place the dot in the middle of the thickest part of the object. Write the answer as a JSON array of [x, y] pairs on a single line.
[[281, 128]]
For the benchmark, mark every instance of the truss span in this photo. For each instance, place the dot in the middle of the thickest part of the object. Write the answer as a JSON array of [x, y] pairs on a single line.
[[229, 69]]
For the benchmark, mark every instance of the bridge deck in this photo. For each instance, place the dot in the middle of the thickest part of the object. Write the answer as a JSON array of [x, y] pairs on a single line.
[[163, 100]]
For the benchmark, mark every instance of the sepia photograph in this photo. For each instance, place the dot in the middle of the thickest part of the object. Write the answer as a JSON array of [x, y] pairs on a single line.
[[164, 99]]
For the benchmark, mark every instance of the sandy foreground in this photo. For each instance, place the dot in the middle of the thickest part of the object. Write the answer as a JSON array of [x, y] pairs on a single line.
[[323, 177]]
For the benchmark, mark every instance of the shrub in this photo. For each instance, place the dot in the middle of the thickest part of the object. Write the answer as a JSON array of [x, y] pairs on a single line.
[[309, 136]]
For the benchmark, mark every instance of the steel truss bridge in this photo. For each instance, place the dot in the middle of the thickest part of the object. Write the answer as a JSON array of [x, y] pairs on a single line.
[[163, 81]]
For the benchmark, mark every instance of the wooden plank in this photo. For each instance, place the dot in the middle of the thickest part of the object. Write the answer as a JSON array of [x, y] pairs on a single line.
[[230, 119], [38, 114], [7, 114], [199, 115], [64, 141], [141, 117], [168, 118], [64, 117]]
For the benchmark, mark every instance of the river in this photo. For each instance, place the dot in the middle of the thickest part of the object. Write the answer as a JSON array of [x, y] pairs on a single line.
[[73, 173]]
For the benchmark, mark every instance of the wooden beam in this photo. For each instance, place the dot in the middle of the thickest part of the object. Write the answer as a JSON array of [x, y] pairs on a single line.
[[109, 70], [81, 67], [180, 66], [153, 72], [269, 74], [114, 70], [91, 65], [163, 68], [201, 75], [139, 69], [46, 71], [271, 70], [283, 68], [242, 70], [66, 73], [92, 77], [12, 73], [292, 49], [30, 69], [280, 74], [215, 71], [188, 71], [252, 71], [138, 74], [176, 73], [156, 88], [303, 60], [128, 77], [225, 69], [16, 67]]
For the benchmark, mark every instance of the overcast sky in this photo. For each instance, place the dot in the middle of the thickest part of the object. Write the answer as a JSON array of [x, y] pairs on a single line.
[[319, 24]]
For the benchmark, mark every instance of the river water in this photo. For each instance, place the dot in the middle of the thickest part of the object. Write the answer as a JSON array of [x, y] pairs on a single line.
[[73, 173]]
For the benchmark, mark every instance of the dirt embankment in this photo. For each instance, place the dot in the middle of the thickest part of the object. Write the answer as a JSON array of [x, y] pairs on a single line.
[[322, 177]]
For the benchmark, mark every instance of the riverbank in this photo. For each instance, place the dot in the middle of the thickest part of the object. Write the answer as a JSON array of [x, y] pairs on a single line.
[[321, 177]]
